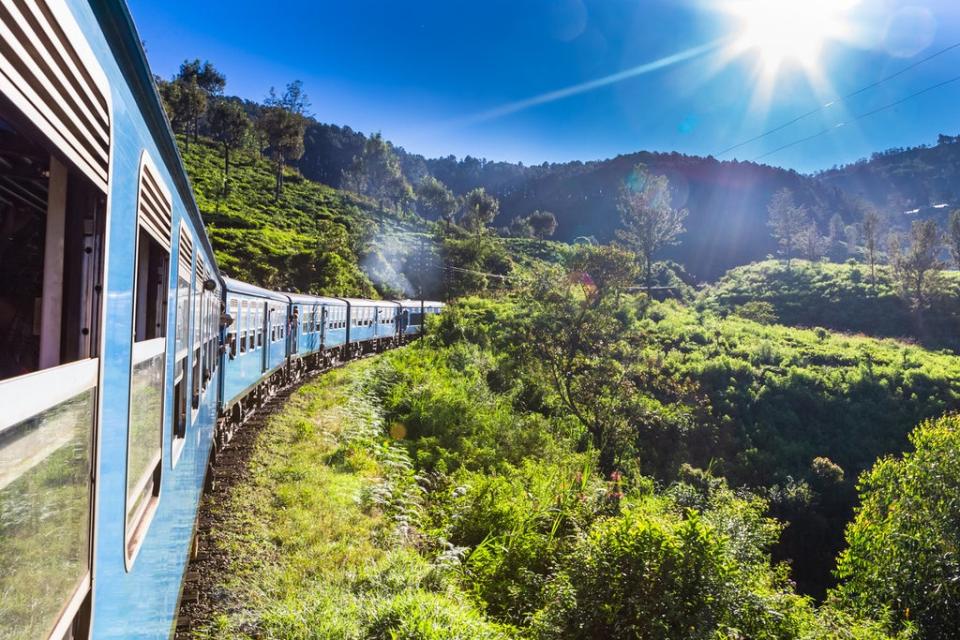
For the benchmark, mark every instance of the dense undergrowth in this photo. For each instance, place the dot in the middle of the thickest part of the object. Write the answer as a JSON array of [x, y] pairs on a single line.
[[415, 497]]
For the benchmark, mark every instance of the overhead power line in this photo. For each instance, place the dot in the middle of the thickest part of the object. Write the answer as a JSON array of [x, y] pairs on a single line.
[[863, 89], [858, 117]]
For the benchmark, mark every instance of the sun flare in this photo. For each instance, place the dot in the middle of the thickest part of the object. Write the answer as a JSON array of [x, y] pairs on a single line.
[[783, 32]]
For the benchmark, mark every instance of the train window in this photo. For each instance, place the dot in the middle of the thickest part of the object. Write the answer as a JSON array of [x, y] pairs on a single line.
[[260, 326], [197, 303], [232, 330], [148, 375], [52, 221]]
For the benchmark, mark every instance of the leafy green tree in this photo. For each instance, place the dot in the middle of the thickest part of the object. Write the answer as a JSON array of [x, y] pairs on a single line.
[[186, 102], [902, 554], [436, 202], [479, 210], [281, 123], [229, 125], [953, 236], [376, 173], [649, 221], [207, 77], [576, 329], [543, 223], [917, 267], [787, 221], [520, 227], [871, 240]]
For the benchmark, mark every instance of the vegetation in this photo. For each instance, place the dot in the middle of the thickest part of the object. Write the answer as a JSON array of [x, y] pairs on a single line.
[[313, 239], [841, 297], [649, 220], [902, 554]]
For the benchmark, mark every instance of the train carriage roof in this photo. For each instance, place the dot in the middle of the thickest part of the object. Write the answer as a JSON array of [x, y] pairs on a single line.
[[363, 302], [302, 298], [236, 286]]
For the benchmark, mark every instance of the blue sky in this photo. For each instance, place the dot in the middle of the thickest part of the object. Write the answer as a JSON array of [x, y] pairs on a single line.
[[443, 77]]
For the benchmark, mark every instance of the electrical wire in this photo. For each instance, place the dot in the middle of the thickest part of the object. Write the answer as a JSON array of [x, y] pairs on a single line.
[[858, 117], [863, 89]]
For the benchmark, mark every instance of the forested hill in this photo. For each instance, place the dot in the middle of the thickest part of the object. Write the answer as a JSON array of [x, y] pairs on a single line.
[[902, 180], [727, 201]]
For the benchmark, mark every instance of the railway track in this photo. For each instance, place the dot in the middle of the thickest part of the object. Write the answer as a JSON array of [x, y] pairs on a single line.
[[201, 593]]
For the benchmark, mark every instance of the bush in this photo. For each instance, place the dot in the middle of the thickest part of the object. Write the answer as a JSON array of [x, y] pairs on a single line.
[[903, 545]]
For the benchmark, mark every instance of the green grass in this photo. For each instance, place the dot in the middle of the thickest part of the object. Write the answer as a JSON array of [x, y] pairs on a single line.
[[323, 538]]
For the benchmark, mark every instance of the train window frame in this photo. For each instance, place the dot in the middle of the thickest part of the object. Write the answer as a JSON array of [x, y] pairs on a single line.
[[154, 224], [78, 367], [233, 304], [183, 333]]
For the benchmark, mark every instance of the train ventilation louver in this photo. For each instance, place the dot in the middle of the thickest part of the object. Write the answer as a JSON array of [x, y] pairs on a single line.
[[49, 73], [201, 268], [155, 206], [186, 252]]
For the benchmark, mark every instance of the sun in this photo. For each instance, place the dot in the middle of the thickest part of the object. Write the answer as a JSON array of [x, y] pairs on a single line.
[[788, 32]]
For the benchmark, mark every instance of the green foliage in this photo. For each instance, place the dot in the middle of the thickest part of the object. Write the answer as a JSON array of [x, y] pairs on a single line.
[[841, 297], [376, 173], [312, 239], [649, 220], [902, 554]]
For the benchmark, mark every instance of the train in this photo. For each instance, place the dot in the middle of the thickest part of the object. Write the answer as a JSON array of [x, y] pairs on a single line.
[[127, 359]]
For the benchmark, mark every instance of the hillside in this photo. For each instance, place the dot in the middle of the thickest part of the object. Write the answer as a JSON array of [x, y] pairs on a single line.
[[838, 297], [903, 180], [314, 238], [727, 201]]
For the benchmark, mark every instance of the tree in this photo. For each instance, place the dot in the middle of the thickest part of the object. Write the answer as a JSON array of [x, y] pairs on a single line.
[[576, 329], [902, 545], [185, 102], [283, 131], [294, 99], [211, 81], [649, 221], [953, 236], [916, 268], [436, 202], [811, 244], [835, 231], [871, 237], [376, 173], [479, 210], [787, 220], [198, 83], [229, 125], [543, 223], [852, 235], [520, 227]]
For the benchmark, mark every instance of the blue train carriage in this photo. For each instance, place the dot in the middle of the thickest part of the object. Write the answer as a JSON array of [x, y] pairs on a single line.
[[320, 331], [255, 348], [412, 314], [371, 325], [109, 316]]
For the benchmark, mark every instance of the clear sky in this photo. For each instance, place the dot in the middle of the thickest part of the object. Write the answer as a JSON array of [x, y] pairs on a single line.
[[558, 80]]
